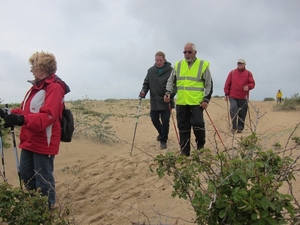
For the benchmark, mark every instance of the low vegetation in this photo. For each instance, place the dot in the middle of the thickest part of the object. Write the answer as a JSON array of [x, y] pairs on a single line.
[[91, 124], [21, 207], [292, 103], [269, 99], [237, 187]]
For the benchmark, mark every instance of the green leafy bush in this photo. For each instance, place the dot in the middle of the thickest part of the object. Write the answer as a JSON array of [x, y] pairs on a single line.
[[240, 188], [21, 207]]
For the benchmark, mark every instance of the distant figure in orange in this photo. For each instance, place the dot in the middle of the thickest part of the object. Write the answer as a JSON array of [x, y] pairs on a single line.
[[279, 96]]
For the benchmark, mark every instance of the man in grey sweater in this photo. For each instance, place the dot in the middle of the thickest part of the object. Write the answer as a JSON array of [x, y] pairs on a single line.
[[155, 81]]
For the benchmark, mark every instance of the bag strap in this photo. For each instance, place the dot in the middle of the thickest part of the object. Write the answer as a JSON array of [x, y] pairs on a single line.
[[60, 117]]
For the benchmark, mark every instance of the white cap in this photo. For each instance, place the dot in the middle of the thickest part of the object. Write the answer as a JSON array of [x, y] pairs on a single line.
[[241, 61]]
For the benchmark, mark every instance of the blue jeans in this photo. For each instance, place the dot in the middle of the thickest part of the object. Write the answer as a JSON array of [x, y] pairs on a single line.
[[161, 121], [36, 171]]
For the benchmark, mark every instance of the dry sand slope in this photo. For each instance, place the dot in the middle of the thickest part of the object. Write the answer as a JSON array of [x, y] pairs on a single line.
[[103, 184]]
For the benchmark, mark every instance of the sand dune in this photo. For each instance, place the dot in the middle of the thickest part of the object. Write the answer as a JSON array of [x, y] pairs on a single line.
[[103, 184]]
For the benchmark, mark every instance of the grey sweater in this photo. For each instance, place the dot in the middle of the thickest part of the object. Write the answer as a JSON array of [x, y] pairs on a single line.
[[156, 83]]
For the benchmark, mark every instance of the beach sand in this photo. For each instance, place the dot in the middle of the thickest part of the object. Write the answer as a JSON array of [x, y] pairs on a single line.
[[102, 183]]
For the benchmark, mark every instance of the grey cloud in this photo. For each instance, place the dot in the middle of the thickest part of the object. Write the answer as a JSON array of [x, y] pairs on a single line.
[[104, 48]]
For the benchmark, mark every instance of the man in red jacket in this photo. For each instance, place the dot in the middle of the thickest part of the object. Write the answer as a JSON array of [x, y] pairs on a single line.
[[237, 86]]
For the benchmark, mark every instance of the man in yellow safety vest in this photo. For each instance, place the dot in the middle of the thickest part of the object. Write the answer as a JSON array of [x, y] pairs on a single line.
[[194, 89], [279, 96]]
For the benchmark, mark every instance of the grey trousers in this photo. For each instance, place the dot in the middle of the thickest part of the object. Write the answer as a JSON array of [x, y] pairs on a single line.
[[238, 112]]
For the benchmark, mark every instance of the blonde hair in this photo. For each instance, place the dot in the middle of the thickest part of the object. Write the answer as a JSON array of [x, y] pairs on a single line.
[[160, 53], [44, 61]]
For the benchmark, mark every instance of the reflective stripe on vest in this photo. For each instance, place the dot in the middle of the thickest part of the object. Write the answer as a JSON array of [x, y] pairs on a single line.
[[190, 85]]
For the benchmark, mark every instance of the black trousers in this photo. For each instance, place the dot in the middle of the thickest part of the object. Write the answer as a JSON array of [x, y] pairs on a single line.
[[189, 116], [161, 121], [238, 112]]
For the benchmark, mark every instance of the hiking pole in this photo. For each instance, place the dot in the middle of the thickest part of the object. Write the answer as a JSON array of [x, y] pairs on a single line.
[[136, 122], [2, 155], [170, 108], [215, 129], [12, 129], [249, 112], [228, 110]]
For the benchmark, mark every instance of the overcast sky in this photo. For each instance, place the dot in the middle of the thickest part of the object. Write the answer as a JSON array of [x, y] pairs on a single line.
[[104, 48]]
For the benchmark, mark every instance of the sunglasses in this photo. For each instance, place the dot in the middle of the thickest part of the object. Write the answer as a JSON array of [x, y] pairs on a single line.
[[190, 52]]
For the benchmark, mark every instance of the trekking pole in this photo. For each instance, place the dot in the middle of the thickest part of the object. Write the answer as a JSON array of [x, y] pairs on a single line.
[[2, 155], [136, 122], [170, 108], [228, 114], [12, 129], [215, 129], [249, 118], [249, 113]]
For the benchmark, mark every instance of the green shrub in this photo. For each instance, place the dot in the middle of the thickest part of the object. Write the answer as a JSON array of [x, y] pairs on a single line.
[[111, 100], [240, 188], [90, 123], [4, 135], [11, 105], [21, 207], [269, 99], [292, 103]]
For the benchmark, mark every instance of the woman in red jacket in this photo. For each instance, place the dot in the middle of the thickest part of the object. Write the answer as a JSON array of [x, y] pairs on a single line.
[[40, 132], [237, 86]]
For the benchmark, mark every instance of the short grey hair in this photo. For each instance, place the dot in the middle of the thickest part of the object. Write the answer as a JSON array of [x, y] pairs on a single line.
[[192, 44]]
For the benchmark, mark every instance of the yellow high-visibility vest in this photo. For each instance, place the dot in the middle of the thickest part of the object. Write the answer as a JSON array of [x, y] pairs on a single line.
[[279, 95], [190, 85]]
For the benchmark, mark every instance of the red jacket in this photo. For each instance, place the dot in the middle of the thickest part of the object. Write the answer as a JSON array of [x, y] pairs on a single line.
[[235, 82], [42, 107]]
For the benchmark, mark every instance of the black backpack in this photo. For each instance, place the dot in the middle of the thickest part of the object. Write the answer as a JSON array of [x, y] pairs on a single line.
[[67, 125]]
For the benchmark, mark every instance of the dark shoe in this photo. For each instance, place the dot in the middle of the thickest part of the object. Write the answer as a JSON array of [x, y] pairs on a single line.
[[239, 131], [184, 154], [200, 147], [51, 207], [158, 138], [233, 130], [163, 145]]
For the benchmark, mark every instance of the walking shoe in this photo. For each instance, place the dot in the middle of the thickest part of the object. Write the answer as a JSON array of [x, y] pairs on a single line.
[[158, 138], [184, 154], [233, 130], [163, 145], [239, 131], [200, 147], [51, 207]]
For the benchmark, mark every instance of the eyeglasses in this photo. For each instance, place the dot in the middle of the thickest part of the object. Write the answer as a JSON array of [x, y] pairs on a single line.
[[190, 52]]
